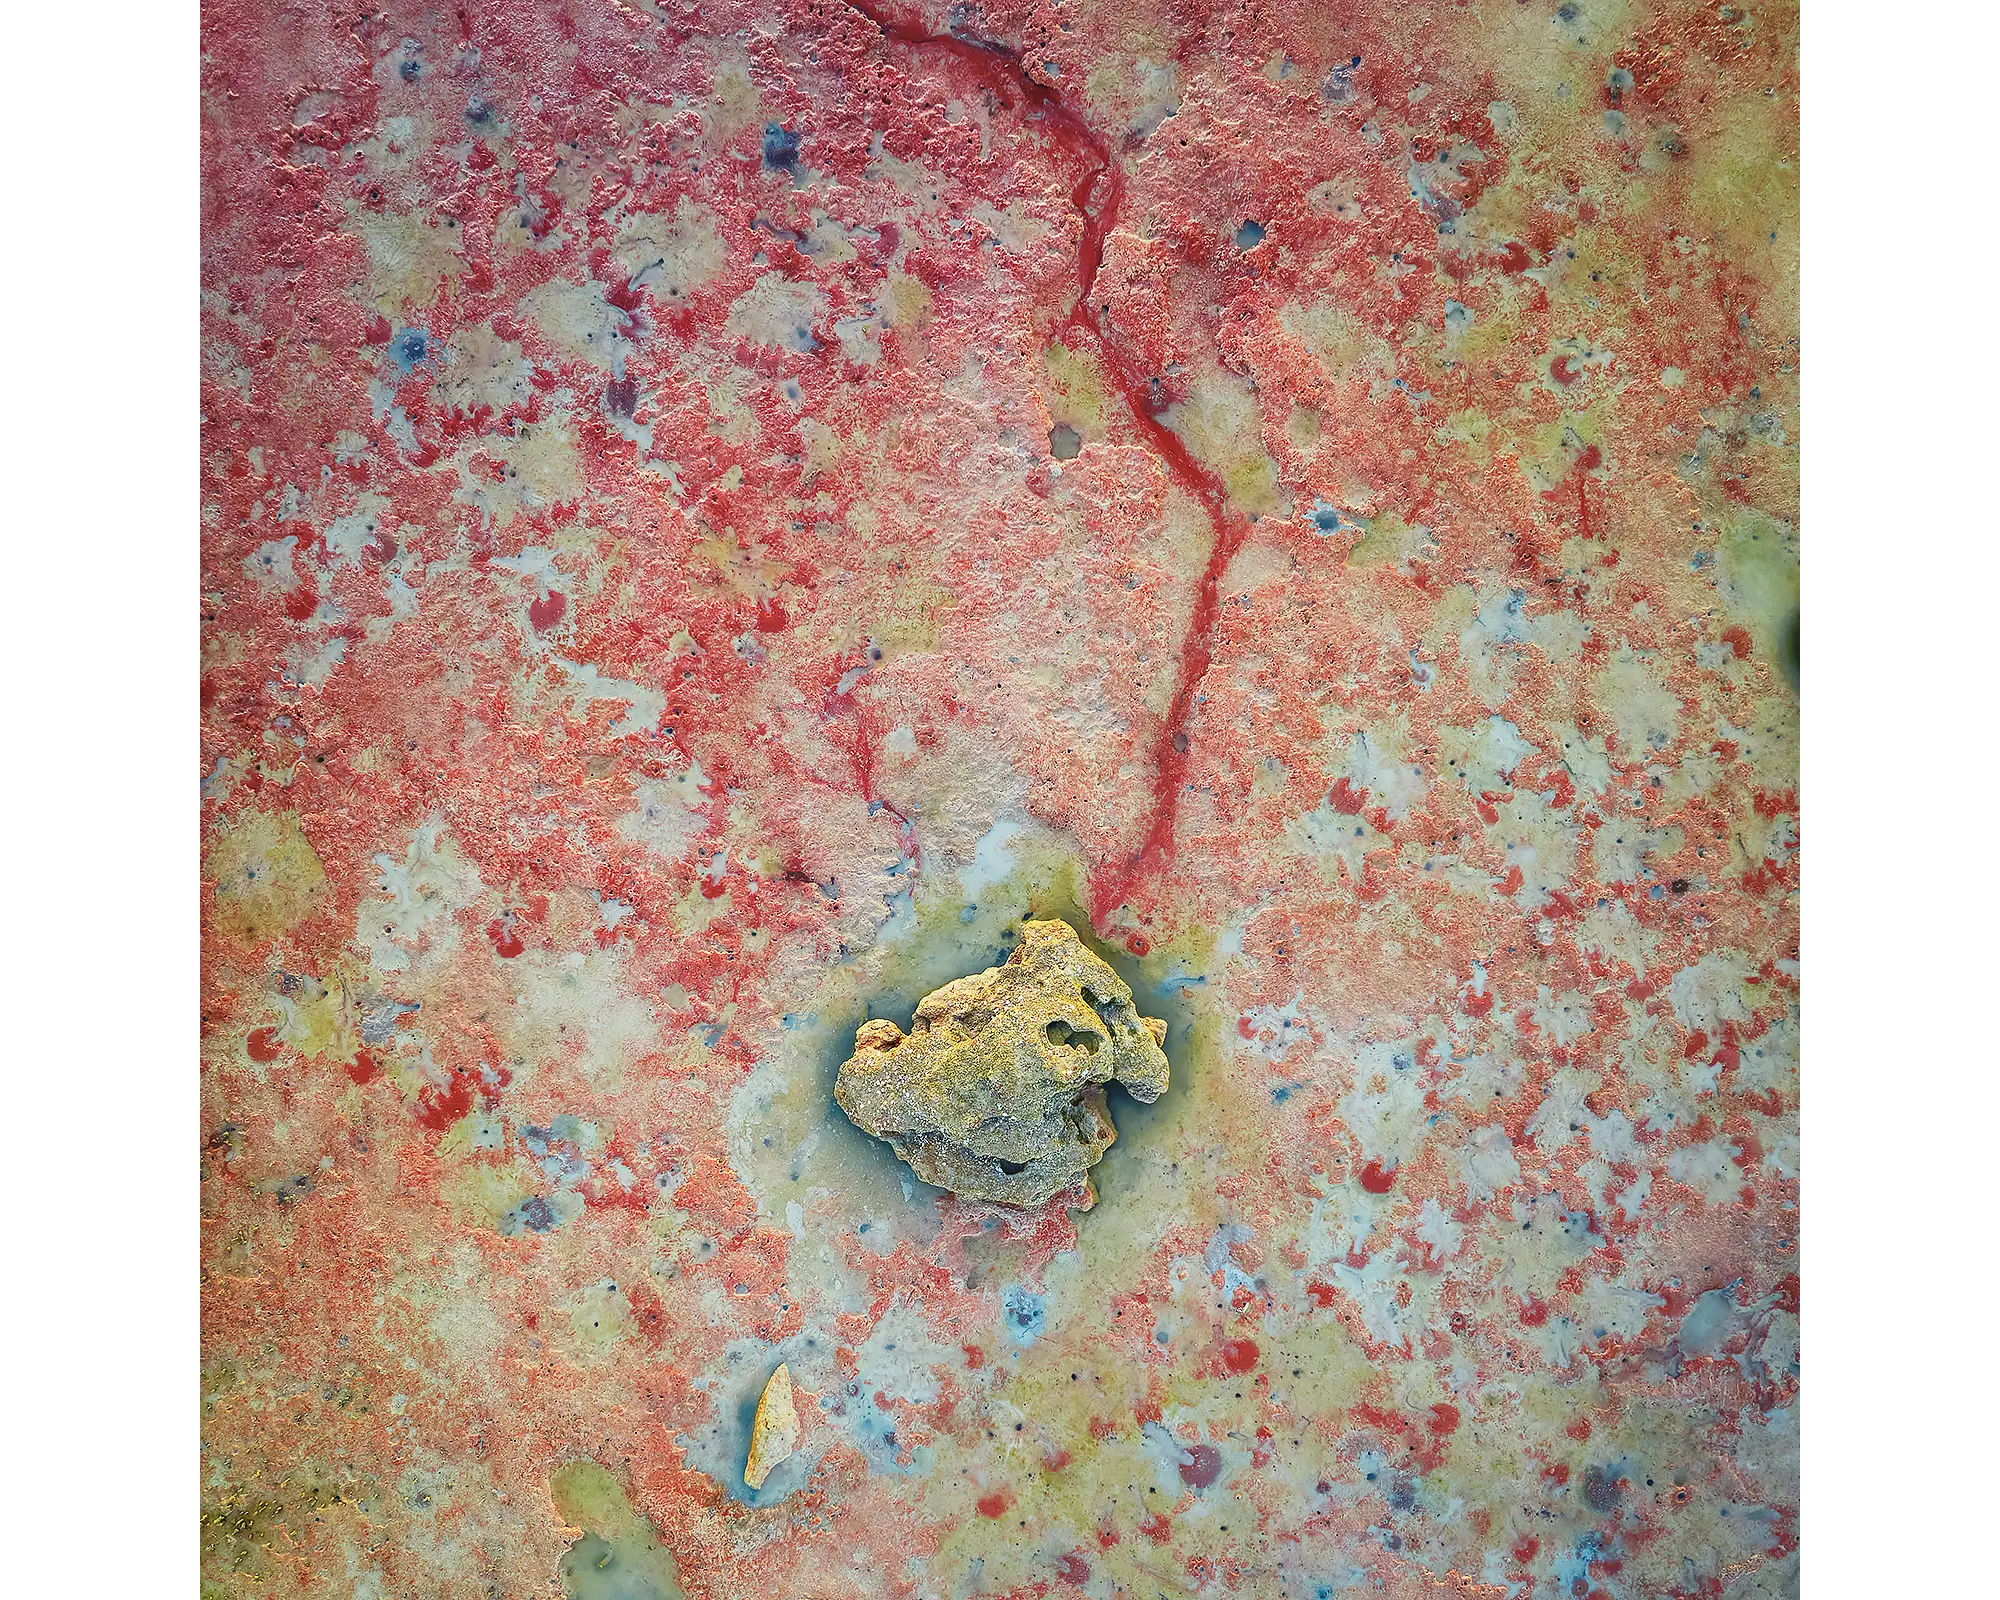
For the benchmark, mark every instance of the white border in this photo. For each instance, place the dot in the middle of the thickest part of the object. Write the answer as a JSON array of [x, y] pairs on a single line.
[[1901, 890], [100, 641], [1902, 300]]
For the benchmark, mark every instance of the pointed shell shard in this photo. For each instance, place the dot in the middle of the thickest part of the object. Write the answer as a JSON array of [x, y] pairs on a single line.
[[774, 1435]]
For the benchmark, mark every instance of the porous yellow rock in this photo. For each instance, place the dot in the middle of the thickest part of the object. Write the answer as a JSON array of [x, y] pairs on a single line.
[[774, 1435], [997, 1091]]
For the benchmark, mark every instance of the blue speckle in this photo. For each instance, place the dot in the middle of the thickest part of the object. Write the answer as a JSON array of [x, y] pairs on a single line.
[[1324, 518], [876, 1435], [409, 350], [1026, 1315], [969, 914], [533, 1215]]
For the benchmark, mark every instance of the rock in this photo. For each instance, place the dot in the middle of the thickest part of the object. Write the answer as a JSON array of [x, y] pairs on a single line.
[[774, 1435], [997, 1091]]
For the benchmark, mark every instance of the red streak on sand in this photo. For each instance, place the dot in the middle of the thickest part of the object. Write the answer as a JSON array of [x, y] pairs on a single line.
[[546, 612], [1239, 1355], [438, 1109], [1001, 71]]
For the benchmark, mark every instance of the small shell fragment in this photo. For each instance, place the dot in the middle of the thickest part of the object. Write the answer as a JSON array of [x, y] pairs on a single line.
[[775, 1433]]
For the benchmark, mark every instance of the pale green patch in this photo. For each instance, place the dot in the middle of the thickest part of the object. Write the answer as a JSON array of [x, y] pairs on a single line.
[[620, 1556]]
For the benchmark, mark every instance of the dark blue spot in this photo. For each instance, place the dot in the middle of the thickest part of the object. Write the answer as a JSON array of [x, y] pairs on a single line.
[[781, 149]]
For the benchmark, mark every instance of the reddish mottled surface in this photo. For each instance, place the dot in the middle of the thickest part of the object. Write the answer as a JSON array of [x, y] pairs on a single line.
[[713, 513]]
